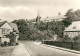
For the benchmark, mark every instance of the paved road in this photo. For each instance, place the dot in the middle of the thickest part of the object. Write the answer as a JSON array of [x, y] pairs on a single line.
[[40, 50]]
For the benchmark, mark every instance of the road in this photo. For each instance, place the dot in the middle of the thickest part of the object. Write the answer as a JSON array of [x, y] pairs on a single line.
[[40, 50]]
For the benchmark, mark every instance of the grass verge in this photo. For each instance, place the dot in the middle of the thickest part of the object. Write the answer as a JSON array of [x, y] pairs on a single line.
[[6, 51]]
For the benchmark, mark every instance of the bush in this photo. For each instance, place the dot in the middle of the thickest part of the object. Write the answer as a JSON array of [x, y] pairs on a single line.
[[77, 39], [5, 43], [66, 38], [9, 44], [12, 43], [17, 43], [2, 45], [12, 37]]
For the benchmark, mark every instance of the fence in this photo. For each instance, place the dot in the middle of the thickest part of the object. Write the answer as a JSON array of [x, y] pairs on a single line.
[[69, 45]]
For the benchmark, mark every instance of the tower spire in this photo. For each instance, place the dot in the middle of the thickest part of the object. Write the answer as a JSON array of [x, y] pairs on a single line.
[[59, 13], [38, 15], [38, 18]]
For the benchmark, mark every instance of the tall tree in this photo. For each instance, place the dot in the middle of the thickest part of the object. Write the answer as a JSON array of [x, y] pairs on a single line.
[[57, 27], [69, 17], [22, 25]]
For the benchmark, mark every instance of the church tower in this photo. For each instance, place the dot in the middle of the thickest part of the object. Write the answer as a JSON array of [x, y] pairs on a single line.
[[38, 18]]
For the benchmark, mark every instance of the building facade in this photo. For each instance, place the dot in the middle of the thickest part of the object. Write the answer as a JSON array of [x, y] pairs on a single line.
[[5, 29], [73, 30]]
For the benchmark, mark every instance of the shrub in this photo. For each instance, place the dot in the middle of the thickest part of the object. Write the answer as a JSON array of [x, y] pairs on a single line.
[[66, 38], [9, 43], [77, 39], [12, 38], [5, 43], [2, 45], [17, 43]]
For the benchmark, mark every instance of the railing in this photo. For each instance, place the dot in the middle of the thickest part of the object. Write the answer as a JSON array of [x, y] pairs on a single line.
[[69, 45]]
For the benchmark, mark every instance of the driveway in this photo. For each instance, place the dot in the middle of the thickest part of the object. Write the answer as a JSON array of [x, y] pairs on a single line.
[[40, 50]]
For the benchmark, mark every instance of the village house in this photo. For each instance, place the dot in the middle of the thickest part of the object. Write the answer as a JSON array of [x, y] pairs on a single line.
[[73, 30], [59, 17], [6, 28]]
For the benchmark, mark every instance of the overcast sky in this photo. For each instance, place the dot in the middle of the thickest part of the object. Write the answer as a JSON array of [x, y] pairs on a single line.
[[28, 9]]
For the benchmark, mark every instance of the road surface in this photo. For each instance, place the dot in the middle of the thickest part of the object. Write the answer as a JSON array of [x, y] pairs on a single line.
[[40, 50]]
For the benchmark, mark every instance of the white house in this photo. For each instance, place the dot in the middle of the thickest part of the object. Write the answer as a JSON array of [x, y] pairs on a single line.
[[6, 28], [73, 30], [59, 17]]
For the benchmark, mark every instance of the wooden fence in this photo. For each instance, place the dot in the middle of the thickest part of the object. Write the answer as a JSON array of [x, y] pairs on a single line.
[[69, 45]]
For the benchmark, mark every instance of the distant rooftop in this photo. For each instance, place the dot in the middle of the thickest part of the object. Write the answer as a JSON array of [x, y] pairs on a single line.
[[75, 26], [53, 18], [13, 25]]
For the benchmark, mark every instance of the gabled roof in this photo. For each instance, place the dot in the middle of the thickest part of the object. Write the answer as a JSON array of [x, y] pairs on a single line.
[[75, 26], [12, 25], [2, 23]]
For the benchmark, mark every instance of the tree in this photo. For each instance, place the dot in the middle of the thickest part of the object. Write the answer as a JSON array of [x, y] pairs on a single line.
[[42, 26], [71, 16], [23, 28], [22, 25], [12, 37], [77, 15], [57, 27]]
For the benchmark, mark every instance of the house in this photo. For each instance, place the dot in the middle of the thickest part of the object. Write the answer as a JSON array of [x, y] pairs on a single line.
[[6, 28], [73, 30], [59, 17]]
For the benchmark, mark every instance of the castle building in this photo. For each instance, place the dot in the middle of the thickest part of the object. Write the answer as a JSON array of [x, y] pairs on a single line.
[[73, 30]]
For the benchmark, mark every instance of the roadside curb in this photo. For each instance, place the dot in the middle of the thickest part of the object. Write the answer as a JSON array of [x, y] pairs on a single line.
[[20, 50], [64, 49], [12, 51]]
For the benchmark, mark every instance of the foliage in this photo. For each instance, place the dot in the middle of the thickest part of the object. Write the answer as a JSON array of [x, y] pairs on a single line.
[[57, 27], [48, 34], [77, 39], [12, 37], [23, 28], [66, 38], [71, 16], [22, 25], [67, 22], [42, 26], [46, 30]]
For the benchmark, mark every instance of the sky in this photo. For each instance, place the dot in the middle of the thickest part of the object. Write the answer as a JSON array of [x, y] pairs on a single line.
[[28, 9]]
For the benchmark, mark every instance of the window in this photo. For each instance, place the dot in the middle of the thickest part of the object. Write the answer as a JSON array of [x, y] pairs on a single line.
[[74, 27], [3, 31]]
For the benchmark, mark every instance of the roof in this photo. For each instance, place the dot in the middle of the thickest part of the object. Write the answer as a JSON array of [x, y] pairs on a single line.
[[2, 23], [13, 25], [59, 17], [75, 26], [53, 18], [33, 20]]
